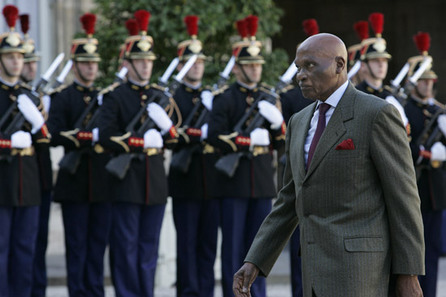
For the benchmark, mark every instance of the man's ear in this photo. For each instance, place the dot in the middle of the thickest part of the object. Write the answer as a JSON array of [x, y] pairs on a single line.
[[340, 64]]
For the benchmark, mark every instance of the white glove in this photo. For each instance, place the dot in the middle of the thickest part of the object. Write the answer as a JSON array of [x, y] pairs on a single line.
[[153, 139], [204, 132], [160, 117], [100, 99], [438, 152], [206, 99], [30, 112], [21, 139], [95, 133], [259, 136], [442, 123], [46, 103], [271, 113]]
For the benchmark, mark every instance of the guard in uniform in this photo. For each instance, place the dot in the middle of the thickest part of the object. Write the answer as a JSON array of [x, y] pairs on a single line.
[[245, 123], [82, 185], [354, 52], [375, 61], [135, 123], [27, 76], [195, 213], [428, 126], [22, 131]]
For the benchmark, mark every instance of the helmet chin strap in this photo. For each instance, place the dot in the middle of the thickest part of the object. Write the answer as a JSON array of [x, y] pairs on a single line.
[[248, 80], [80, 73], [136, 71], [417, 92]]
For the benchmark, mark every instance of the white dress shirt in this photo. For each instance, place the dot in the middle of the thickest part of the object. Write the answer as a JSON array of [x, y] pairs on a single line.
[[333, 101]]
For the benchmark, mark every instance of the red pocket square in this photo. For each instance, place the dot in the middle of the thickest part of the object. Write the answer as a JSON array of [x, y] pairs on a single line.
[[346, 145]]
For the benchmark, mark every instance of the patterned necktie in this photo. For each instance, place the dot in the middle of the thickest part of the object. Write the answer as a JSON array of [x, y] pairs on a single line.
[[323, 107]]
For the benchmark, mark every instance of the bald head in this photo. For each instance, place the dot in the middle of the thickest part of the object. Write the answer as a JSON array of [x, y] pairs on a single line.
[[322, 65], [325, 44]]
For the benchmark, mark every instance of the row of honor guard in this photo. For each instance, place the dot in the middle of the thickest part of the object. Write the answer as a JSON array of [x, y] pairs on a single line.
[[113, 165]]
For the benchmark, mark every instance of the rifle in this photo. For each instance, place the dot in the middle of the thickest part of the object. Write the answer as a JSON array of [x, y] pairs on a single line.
[[427, 138], [224, 76], [286, 78], [354, 69], [401, 93], [228, 163], [43, 81], [181, 160], [71, 160], [18, 120], [170, 69], [119, 165]]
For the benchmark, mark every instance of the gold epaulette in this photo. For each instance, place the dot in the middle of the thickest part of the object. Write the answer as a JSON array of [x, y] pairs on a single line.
[[220, 90], [25, 86], [269, 92], [265, 86], [157, 86], [207, 87], [389, 89], [58, 89], [110, 88], [438, 103], [285, 89]]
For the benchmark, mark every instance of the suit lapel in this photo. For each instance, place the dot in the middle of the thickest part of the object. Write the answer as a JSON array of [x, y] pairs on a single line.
[[335, 128], [303, 126]]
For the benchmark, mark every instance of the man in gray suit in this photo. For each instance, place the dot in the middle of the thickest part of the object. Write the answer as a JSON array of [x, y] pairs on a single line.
[[350, 186]]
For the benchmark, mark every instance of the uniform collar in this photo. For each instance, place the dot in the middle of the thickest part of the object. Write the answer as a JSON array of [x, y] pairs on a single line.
[[137, 87], [82, 88], [8, 86], [245, 89], [190, 88], [373, 90]]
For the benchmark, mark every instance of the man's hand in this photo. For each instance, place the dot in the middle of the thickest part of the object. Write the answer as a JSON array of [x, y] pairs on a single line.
[[271, 113], [243, 279], [30, 112], [408, 286], [159, 116], [442, 123]]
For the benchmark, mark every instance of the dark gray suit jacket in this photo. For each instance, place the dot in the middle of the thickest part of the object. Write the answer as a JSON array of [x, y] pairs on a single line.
[[358, 209]]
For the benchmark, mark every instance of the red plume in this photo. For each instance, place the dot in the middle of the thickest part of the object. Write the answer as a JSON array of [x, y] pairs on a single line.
[[310, 27], [422, 41], [142, 18], [362, 29], [88, 21], [376, 20], [132, 27], [252, 22], [242, 28], [191, 22], [11, 14], [24, 23]]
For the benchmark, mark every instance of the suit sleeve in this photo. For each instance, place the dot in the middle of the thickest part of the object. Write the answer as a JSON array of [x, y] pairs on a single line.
[[269, 243], [392, 157]]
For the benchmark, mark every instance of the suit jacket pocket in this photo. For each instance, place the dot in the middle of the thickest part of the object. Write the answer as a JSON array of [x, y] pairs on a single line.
[[364, 244]]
